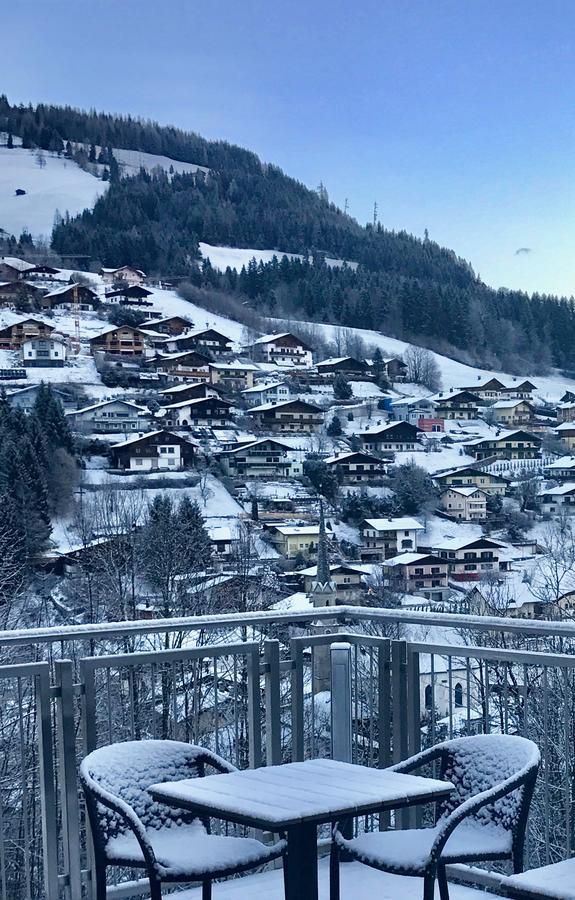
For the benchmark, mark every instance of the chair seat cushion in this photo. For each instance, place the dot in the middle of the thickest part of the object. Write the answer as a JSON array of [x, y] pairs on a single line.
[[557, 882], [188, 850], [408, 851]]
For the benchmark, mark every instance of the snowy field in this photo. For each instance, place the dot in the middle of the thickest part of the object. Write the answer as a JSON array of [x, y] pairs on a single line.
[[60, 186], [132, 161], [357, 882], [236, 257]]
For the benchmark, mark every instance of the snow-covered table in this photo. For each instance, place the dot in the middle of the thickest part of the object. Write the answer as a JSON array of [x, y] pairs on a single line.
[[296, 798]]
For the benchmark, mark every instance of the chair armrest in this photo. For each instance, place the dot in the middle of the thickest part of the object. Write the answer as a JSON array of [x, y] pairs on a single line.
[[126, 813], [415, 762], [217, 762], [474, 804]]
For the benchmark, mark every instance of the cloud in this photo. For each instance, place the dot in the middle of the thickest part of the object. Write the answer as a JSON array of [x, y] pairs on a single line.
[[523, 251]]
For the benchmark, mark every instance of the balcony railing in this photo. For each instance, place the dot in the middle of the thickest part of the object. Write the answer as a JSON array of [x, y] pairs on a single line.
[[261, 689]]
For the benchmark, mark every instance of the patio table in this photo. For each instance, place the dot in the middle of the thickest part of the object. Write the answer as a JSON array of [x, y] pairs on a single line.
[[297, 797]]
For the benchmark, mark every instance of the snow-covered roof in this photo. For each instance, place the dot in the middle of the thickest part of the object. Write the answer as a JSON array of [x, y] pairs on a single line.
[[457, 543], [565, 462], [220, 533], [378, 429], [449, 395], [141, 437], [338, 359], [19, 264], [66, 288], [227, 367], [402, 523], [411, 401], [464, 491], [507, 404], [566, 426], [264, 407], [343, 456], [171, 356], [258, 388], [123, 269], [165, 319], [102, 403], [566, 488], [312, 570], [406, 559], [195, 402], [249, 445], [267, 338], [297, 529]]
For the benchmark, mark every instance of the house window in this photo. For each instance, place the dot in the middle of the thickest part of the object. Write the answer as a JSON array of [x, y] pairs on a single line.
[[458, 694]]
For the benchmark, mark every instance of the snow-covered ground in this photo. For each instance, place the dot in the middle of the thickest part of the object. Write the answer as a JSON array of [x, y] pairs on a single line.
[[60, 185], [236, 257], [131, 161]]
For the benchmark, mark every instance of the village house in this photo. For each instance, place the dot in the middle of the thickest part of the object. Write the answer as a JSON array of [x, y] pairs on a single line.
[[178, 392], [208, 341], [562, 469], [50, 352], [13, 336], [235, 376], [343, 365], [522, 390], [222, 540], [486, 390], [396, 436], [170, 325], [559, 499], [208, 411], [129, 295], [566, 434], [121, 340], [24, 398], [385, 538], [68, 295], [265, 458], [510, 411], [506, 445], [349, 581], [470, 560], [356, 467], [467, 476], [466, 503], [293, 415], [395, 369], [423, 573], [272, 392], [20, 293], [456, 405], [108, 417], [188, 366], [12, 268], [291, 540], [282, 349], [412, 409], [155, 450], [123, 273], [43, 271], [566, 411]]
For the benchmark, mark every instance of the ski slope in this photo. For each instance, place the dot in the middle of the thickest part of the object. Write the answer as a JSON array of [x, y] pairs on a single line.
[[61, 185], [236, 257]]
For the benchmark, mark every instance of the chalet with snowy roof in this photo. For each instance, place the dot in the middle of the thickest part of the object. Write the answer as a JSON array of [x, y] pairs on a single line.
[[68, 295], [467, 504], [161, 450], [343, 365], [511, 411], [178, 392], [43, 271], [283, 348], [291, 540], [472, 559], [384, 538], [356, 467], [123, 340], [123, 273], [21, 294], [187, 366], [396, 436], [565, 411], [412, 409], [292, 416], [491, 389], [568, 397], [456, 405], [24, 398], [129, 295], [49, 352], [234, 375], [395, 368], [12, 268], [421, 573], [209, 411], [13, 336], [272, 392], [265, 458], [349, 581], [562, 469], [108, 416], [520, 390], [566, 434], [222, 539], [209, 341], [506, 445], [467, 476], [560, 499], [170, 325]]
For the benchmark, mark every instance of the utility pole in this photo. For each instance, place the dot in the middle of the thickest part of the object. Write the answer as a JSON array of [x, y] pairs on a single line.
[[345, 206], [375, 213]]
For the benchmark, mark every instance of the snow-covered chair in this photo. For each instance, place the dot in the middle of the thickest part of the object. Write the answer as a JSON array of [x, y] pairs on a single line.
[[483, 819], [130, 829]]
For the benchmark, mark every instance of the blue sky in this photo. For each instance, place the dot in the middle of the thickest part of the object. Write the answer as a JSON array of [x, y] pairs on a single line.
[[455, 115]]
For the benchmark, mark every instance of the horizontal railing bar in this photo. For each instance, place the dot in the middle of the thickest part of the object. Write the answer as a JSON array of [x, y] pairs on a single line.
[[529, 657], [341, 615], [24, 670], [115, 660]]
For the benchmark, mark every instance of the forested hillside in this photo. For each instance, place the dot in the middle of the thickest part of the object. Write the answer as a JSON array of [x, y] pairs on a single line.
[[406, 287]]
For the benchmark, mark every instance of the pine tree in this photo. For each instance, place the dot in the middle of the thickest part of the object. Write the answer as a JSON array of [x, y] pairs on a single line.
[[10, 141], [342, 389], [334, 428]]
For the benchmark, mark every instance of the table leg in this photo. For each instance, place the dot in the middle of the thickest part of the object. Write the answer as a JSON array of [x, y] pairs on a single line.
[[301, 863]]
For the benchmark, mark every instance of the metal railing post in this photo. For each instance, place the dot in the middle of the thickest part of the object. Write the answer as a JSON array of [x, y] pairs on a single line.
[[47, 786], [254, 710], [341, 716], [297, 701], [68, 776], [399, 703], [273, 703]]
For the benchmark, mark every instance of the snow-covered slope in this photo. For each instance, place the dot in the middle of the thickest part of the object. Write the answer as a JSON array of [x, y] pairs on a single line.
[[236, 257], [60, 185], [131, 161]]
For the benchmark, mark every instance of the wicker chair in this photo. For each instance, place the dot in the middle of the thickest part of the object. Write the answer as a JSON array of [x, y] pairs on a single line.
[[484, 818], [130, 829]]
